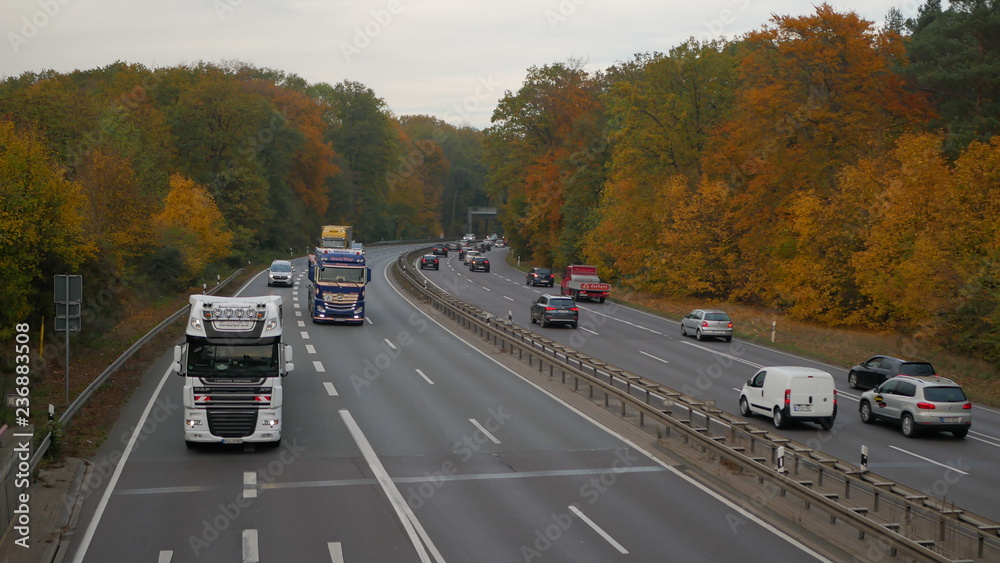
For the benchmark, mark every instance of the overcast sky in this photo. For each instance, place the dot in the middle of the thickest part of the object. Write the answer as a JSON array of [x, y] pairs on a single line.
[[452, 59]]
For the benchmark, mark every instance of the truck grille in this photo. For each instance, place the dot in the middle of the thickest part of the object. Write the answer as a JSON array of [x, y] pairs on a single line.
[[232, 423]]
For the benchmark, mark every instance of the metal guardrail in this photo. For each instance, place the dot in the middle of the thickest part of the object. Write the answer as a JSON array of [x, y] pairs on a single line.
[[82, 398], [897, 519]]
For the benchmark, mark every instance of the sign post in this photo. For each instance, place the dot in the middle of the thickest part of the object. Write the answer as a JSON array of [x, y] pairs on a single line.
[[68, 295]]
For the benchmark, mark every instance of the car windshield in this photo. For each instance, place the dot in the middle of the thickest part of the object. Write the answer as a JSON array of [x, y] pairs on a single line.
[[944, 394], [276, 267], [341, 274], [716, 317], [916, 368]]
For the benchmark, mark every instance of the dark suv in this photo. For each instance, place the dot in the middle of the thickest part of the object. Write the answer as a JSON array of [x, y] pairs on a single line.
[[549, 309], [877, 369], [440, 250], [540, 276]]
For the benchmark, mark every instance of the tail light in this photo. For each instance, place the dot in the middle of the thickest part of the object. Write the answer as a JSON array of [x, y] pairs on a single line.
[[550, 308], [730, 325], [574, 309], [704, 323], [788, 397], [834, 397], [923, 405], [966, 406]]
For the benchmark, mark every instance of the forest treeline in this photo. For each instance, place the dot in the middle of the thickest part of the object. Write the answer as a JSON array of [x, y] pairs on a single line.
[[823, 166], [148, 181]]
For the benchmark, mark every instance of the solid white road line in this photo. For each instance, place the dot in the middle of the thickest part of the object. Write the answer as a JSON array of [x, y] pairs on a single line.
[[484, 431], [421, 541], [929, 460], [250, 552], [88, 536], [330, 389], [598, 529], [425, 377], [249, 484], [336, 552]]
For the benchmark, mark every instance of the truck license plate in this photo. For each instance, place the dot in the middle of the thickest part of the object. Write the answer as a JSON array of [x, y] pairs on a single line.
[[232, 440]]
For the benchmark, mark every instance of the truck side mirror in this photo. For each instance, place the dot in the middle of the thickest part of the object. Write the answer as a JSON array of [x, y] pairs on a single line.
[[288, 352], [368, 275], [178, 353]]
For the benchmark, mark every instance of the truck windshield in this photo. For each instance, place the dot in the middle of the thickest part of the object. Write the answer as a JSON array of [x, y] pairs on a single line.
[[222, 359], [341, 274]]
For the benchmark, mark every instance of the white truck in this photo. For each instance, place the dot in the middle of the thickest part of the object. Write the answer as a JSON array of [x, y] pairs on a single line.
[[232, 361]]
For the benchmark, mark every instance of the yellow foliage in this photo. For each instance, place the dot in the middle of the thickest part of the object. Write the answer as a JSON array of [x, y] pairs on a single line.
[[192, 222]]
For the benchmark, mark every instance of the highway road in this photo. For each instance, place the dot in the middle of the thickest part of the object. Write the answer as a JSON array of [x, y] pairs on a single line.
[[403, 443], [937, 464]]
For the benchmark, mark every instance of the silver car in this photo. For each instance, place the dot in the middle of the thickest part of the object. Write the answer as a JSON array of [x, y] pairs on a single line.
[[918, 403], [704, 323], [280, 273]]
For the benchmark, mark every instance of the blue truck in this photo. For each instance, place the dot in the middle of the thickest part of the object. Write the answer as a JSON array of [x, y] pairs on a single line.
[[337, 280]]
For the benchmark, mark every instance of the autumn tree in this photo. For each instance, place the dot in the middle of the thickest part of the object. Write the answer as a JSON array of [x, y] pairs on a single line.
[[42, 223], [546, 152], [191, 223], [815, 93], [362, 131]]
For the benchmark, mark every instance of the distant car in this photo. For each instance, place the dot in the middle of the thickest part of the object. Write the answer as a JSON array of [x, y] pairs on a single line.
[[479, 263], [540, 276], [440, 250], [918, 403], [549, 309], [877, 369], [280, 273], [462, 250], [430, 261], [469, 255], [452, 246], [704, 323]]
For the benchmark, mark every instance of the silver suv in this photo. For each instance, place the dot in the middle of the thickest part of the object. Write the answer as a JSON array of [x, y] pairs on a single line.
[[280, 273], [918, 403]]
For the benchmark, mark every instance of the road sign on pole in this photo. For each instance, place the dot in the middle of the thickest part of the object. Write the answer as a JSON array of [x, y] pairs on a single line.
[[68, 295]]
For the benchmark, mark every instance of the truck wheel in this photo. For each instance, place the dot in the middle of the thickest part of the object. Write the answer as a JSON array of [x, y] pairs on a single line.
[[601, 300], [190, 445]]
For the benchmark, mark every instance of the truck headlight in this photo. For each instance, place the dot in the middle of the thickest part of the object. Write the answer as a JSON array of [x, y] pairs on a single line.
[[269, 422], [191, 423]]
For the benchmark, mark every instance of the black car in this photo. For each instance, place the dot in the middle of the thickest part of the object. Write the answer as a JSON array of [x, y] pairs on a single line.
[[440, 250], [549, 309], [430, 261], [540, 276], [479, 263], [873, 371]]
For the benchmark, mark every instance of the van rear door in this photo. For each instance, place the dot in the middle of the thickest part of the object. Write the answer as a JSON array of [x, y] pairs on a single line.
[[811, 396]]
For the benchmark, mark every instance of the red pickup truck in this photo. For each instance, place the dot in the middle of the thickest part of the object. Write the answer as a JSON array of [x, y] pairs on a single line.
[[582, 283]]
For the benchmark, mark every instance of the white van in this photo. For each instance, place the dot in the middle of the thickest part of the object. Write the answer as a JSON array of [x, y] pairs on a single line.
[[789, 393]]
